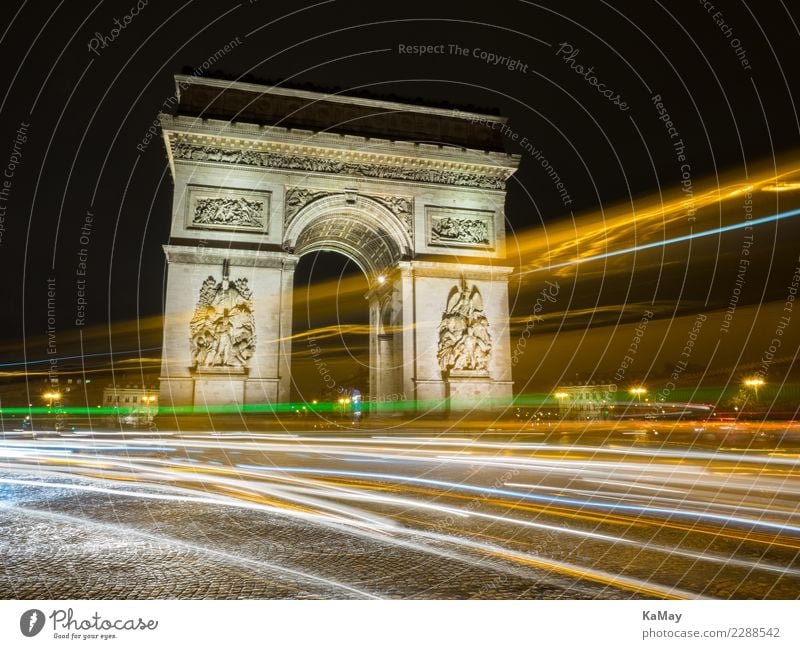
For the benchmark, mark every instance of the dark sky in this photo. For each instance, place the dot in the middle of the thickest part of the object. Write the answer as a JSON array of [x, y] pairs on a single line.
[[727, 78]]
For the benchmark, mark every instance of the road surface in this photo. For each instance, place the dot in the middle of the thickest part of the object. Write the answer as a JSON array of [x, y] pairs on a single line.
[[578, 511]]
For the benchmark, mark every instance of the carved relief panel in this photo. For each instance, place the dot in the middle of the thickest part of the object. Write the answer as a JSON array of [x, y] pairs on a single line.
[[222, 329], [235, 210], [464, 340], [449, 227]]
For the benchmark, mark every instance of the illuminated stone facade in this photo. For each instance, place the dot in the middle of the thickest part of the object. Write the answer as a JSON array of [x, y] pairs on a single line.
[[413, 195]]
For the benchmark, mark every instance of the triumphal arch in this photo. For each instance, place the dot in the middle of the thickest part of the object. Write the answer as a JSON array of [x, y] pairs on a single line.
[[413, 195]]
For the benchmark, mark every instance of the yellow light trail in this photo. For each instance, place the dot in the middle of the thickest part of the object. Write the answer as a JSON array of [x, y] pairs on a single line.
[[596, 232]]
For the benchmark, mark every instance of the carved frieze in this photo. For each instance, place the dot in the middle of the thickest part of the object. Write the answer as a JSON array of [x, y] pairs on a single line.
[[183, 150], [402, 208], [297, 198], [227, 209], [450, 227], [464, 340]]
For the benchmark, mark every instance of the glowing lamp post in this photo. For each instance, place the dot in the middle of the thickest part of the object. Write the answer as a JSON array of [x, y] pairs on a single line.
[[51, 397], [638, 392], [149, 400], [561, 398], [754, 383]]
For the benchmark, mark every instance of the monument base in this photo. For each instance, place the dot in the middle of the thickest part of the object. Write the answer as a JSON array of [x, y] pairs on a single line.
[[218, 388], [476, 390], [463, 390]]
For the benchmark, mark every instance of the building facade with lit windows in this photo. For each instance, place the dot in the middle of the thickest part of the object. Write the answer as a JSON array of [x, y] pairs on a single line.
[[138, 400], [590, 401]]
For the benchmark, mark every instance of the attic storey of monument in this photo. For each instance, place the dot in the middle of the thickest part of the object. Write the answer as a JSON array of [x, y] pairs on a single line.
[[413, 195]]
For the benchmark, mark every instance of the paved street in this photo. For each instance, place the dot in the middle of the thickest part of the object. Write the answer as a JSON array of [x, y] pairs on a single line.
[[556, 511]]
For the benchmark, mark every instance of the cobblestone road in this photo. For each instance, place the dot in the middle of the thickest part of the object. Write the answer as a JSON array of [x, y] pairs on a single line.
[[58, 544]]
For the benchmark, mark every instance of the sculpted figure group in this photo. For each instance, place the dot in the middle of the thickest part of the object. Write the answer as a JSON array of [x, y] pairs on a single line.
[[223, 328], [464, 340]]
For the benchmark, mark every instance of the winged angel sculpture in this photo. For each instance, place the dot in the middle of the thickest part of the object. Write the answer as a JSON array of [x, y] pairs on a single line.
[[223, 327], [464, 340]]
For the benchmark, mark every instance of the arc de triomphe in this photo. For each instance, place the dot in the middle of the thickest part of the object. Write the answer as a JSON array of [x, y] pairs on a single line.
[[413, 195]]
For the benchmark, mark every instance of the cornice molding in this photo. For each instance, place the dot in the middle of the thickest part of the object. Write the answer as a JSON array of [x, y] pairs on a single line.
[[200, 148]]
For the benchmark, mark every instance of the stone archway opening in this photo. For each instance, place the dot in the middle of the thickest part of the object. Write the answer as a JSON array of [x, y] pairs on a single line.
[[355, 225], [366, 234], [330, 320]]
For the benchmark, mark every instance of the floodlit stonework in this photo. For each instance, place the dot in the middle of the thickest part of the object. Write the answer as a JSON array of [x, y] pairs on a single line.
[[413, 195]]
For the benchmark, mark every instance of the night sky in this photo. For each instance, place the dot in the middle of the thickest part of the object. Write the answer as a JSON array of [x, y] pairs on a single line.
[[624, 99]]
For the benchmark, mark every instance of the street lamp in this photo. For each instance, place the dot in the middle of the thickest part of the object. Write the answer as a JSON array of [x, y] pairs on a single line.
[[561, 397], [638, 392], [51, 396], [755, 383], [149, 400]]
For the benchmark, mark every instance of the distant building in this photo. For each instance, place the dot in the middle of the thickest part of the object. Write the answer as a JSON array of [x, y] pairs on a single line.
[[136, 400], [590, 401]]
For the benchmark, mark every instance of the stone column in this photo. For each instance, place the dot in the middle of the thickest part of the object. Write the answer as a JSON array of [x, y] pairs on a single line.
[[374, 358], [407, 335], [285, 329], [386, 389]]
